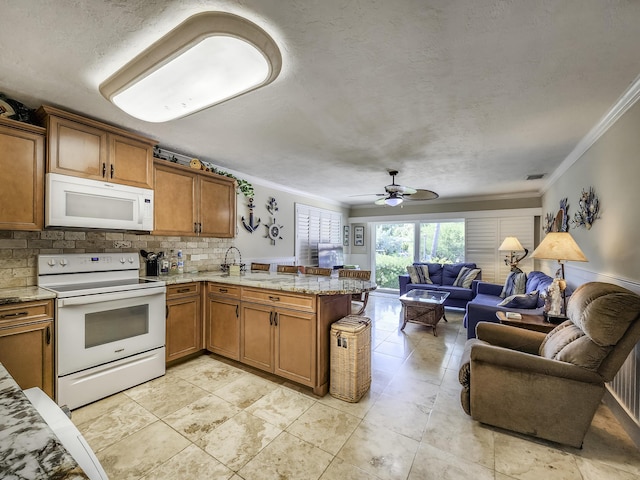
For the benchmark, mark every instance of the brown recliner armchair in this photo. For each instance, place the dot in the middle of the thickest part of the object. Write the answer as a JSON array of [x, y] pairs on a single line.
[[549, 386]]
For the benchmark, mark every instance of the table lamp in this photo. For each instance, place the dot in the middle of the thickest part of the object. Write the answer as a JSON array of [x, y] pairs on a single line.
[[562, 247], [512, 245]]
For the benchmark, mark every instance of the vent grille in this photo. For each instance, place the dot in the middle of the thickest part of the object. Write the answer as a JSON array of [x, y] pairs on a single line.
[[536, 176]]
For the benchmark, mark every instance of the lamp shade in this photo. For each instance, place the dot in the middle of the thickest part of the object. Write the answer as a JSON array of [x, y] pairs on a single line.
[[559, 246], [511, 244]]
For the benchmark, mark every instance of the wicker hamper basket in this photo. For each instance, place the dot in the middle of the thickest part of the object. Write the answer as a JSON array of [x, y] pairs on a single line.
[[350, 375]]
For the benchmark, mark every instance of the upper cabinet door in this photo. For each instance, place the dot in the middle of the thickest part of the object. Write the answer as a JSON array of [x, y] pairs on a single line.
[[21, 176], [82, 147], [77, 149], [174, 200], [130, 162], [217, 206]]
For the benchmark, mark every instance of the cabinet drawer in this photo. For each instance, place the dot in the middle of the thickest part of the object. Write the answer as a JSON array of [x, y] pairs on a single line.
[[280, 299], [26, 312], [183, 289], [224, 290]]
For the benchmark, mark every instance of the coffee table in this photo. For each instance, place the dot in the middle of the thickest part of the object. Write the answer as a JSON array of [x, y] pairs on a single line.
[[425, 307]]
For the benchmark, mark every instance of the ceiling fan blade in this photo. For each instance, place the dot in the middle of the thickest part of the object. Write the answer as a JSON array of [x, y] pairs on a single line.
[[408, 190], [380, 201], [421, 194], [369, 195]]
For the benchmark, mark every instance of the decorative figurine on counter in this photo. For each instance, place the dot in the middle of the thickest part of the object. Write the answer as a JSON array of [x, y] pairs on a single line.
[[251, 226]]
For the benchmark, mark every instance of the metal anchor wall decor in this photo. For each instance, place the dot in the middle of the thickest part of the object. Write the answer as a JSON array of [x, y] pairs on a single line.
[[252, 226]]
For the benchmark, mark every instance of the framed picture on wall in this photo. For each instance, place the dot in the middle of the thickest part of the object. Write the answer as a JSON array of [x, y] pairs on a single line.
[[345, 235], [358, 236]]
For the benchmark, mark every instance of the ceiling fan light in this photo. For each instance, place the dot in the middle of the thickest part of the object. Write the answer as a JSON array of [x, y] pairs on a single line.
[[208, 59], [393, 200]]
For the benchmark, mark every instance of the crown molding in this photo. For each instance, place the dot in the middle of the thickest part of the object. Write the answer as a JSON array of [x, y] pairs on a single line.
[[624, 103]]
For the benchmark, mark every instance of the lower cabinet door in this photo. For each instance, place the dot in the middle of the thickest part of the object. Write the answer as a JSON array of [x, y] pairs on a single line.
[[295, 346], [256, 346], [223, 327], [184, 327], [26, 351]]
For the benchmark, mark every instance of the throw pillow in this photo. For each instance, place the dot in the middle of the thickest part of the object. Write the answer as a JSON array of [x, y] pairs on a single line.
[[466, 276], [419, 274], [522, 300], [515, 284]]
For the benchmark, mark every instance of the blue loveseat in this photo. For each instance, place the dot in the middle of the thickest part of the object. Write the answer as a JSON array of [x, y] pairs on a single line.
[[443, 276], [484, 305]]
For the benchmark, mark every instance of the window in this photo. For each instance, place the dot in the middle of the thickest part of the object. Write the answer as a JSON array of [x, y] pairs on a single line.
[[313, 226], [441, 242]]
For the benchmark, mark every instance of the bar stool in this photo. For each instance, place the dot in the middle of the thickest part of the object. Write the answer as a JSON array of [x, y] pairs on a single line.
[[325, 272], [358, 300], [287, 269], [264, 267]]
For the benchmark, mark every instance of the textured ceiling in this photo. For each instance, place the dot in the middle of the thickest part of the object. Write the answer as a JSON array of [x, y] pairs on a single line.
[[463, 97]]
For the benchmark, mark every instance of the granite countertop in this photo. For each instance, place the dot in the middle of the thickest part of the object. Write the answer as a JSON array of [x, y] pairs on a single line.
[[288, 282], [24, 294], [28, 446]]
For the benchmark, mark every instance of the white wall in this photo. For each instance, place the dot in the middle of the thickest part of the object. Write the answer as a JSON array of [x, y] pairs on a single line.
[[256, 245]]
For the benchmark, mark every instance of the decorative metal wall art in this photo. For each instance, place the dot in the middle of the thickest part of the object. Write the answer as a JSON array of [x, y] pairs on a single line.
[[273, 231], [272, 205], [549, 221], [588, 209], [252, 226], [562, 217]]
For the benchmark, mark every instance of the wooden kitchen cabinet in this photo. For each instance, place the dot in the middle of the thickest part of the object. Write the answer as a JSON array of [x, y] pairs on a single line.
[[184, 320], [83, 147], [278, 334], [21, 176], [193, 202], [26, 343], [223, 320]]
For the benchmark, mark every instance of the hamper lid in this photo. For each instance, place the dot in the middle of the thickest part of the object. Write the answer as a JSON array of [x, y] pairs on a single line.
[[351, 323]]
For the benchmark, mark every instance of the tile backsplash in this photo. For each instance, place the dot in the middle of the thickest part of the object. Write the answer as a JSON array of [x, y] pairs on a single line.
[[19, 250]]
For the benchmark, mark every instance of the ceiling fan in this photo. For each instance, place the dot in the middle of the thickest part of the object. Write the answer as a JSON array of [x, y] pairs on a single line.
[[395, 194]]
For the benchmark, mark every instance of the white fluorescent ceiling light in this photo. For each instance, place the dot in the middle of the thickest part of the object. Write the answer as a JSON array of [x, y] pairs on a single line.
[[208, 59]]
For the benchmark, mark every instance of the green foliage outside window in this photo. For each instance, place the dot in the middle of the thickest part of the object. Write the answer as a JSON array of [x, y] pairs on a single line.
[[438, 243]]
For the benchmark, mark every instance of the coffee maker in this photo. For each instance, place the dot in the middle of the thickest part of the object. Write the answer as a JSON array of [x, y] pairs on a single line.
[[151, 263]]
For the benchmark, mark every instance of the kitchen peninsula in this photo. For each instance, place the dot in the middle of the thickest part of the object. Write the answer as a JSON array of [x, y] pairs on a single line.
[[276, 322]]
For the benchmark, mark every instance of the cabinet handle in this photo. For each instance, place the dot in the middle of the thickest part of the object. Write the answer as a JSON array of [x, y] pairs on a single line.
[[17, 314], [270, 318], [274, 299], [199, 228], [183, 290], [237, 311], [112, 170], [166, 312], [104, 169], [275, 318], [223, 290], [48, 335]]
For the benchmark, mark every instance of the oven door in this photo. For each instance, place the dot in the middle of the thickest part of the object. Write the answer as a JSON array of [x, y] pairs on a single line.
[[95, 329]]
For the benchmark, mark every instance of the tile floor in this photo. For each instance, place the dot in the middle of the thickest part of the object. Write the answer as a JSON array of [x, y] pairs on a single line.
[[213, 419]]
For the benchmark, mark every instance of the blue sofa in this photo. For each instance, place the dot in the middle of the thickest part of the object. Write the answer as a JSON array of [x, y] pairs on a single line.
[[443, 276], [484, 305]]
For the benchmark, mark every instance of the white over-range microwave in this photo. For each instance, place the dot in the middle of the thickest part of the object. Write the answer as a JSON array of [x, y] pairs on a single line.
[[82, 203]]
